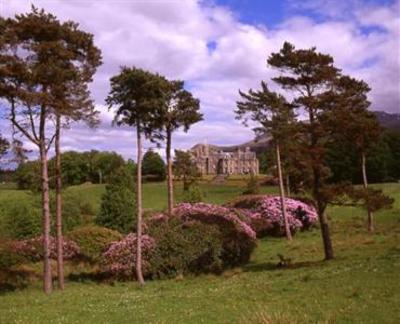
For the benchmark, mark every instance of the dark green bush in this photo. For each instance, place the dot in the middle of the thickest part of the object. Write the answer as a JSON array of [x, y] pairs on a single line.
[[183, 248], [20, 219], [73, 210], [8, 257], [117, 209], [193, 195], [252, 187], [153, 167], [93, 240]]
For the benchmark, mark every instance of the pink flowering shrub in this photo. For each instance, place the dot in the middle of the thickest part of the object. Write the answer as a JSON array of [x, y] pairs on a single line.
[[238, 238], [32, 249], [301, 216], [119, 259]]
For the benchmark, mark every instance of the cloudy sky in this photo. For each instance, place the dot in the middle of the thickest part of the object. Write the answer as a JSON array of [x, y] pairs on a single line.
[[221, 46]]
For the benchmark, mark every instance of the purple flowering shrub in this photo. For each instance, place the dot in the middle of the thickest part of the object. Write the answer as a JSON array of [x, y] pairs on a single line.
[[238, 238], [119, 259], [32, 249], [301, 216], [256, 220]]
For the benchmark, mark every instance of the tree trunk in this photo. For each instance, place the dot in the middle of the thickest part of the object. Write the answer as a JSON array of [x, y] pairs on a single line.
[[169, 174], [59, 235], [288, 185], [365, 184], [323, 220], [139, 273], [282, 193], [47, 281]]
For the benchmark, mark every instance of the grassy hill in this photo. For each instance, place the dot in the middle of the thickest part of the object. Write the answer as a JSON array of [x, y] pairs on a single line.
[[362, 285]]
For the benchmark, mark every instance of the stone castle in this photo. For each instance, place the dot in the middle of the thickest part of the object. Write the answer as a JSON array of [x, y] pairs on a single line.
[[212, 159]]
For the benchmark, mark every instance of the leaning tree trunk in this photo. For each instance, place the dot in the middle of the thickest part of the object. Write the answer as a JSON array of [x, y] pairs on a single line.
[[282, 193], [169, 175], [139, 273], [59, 235], [47, 281], [365, 184]]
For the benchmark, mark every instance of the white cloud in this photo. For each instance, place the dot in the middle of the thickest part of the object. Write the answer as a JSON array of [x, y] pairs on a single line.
[[171, 37]]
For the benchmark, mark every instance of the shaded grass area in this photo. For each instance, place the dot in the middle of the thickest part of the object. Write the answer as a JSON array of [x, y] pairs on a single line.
[[362, 285]]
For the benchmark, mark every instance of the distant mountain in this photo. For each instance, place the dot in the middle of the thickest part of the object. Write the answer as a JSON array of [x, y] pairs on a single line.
[[388, 120], [259, 144]]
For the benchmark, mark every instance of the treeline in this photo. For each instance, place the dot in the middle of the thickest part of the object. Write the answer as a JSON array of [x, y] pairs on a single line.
[[382, 163], [92, 166]]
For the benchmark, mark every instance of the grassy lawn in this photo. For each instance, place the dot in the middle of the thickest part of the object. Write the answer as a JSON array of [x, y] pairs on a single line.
[[362, 285]]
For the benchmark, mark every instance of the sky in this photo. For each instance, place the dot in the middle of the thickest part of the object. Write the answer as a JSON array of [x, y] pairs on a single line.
[[219, 47]]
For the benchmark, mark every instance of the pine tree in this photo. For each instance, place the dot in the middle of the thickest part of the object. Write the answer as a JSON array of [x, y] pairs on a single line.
[[180, 110], [309, 75], [275, 117], [43, 59], [138, 98]]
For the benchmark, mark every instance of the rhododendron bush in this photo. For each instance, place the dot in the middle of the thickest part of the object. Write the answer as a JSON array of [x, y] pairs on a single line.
[[119, 259], [32, 249], [238, 238], [184, 247], [264, 214]]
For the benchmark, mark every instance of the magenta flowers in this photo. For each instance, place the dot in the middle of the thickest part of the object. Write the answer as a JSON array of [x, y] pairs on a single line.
[[264, 215], [119, 259]]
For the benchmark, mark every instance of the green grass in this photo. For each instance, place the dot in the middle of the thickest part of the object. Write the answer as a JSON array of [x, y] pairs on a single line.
[[362, 284]]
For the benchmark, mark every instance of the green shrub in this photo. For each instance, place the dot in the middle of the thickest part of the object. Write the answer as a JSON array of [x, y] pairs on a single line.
[[8, 257], [193, 195], [184, 248], [252, 187], [75, 209], [117, 210], [153, 167], [93, 240], [20, 219]]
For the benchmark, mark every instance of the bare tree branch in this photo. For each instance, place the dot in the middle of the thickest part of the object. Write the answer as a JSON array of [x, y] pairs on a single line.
[[18, 126]]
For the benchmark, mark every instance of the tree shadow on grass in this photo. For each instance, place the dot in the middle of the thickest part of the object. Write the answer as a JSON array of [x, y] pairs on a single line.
[[273, 266], [98, 277]]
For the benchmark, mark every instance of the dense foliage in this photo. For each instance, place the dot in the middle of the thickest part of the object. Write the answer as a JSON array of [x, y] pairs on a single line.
[[117, 210], [185, 169], [184, 247], [252, 186], [20, 220], [153, 167], [382, 162], [77, 168], [238, 239], [193, 195], [93, 240]]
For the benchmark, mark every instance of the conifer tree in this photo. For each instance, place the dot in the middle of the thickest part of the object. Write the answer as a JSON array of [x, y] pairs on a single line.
[[41, 58], [308, 75], [276, 118], [351, 122], [138, 98], [181, 109]]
